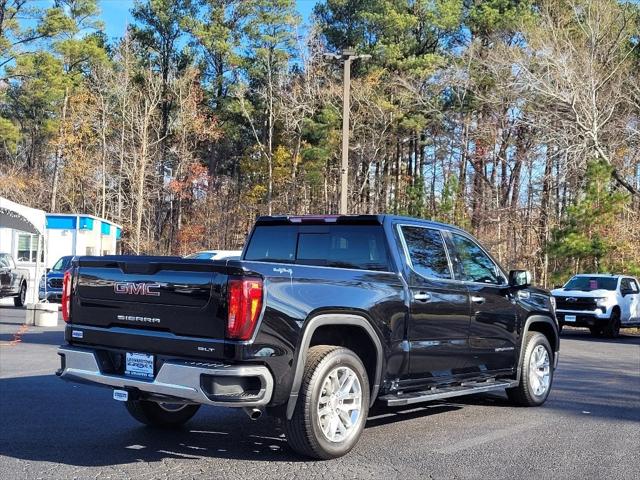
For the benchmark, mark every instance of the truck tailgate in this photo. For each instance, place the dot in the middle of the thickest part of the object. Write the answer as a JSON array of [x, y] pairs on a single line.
[[171, 294]]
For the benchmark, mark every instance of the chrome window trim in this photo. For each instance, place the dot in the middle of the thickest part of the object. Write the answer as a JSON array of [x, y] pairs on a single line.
[[453, 279], [322, 266]]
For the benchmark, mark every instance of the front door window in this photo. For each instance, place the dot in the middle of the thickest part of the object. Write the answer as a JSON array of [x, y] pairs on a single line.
[[475, 265]]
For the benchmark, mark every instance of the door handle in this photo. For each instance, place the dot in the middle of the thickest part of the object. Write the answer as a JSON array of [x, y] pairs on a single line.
[[421, 297], [478, 300]]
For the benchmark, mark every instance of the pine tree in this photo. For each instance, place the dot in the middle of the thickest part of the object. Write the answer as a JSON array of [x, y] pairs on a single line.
[[587, 237], [271, 39]]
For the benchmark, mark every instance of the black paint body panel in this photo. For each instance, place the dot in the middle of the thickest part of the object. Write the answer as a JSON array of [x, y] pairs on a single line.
[[436, 342]]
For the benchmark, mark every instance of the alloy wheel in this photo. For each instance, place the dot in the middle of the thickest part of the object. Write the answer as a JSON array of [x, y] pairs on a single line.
[[539, 371], [340, 404]]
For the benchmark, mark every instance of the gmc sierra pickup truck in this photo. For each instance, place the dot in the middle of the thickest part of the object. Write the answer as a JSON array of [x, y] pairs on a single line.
[[319, 318]]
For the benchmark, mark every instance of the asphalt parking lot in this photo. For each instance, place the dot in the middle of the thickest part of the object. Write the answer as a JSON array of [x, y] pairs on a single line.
[[589, 427]]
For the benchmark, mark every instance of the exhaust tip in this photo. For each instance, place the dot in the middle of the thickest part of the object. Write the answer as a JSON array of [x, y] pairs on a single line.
[[253, 413]]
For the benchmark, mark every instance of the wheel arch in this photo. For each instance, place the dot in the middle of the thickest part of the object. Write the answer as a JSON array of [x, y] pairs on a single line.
[[322, 324], [546, 326]]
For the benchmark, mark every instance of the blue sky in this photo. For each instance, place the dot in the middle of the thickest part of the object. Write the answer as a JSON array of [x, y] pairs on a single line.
[[116, 16]]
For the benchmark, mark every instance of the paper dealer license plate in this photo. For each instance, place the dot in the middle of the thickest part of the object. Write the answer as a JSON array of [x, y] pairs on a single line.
[[569, 318], [139, 365]]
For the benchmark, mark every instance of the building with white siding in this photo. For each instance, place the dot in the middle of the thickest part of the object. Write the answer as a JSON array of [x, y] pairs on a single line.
[[80, 235]]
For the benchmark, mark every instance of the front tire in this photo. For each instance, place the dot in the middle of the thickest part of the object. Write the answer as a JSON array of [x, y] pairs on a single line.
[[162, 415], [612, 329], [333, 404], [20, 300], [536, 372]]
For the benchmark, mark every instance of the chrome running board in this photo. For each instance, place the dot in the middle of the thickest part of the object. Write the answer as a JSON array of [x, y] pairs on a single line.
[[401, 399]]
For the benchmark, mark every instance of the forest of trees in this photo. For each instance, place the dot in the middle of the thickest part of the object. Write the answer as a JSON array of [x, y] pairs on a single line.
[[518, 120]]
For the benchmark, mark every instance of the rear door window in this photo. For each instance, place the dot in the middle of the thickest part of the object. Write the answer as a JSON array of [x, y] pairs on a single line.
[[341, 246], [426, 251]]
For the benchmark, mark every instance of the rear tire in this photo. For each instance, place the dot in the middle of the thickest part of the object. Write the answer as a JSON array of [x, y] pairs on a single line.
[[536, 372], [333, 404], [19, 301], [155, 415], [612, 329]]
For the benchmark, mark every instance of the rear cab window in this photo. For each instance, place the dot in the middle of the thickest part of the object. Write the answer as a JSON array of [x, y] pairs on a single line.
[[361, 247]]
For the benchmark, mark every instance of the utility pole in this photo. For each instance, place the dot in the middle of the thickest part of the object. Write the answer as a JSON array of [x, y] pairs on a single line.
[[347, 56]]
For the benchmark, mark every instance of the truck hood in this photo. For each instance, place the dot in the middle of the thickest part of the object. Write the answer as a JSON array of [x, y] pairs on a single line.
[[561, 292]]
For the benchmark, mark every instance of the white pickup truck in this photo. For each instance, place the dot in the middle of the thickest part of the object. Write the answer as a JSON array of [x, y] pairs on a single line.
[[603, 303]]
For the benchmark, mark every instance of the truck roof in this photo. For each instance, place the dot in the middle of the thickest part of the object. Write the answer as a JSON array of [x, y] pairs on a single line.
[[376, 219]]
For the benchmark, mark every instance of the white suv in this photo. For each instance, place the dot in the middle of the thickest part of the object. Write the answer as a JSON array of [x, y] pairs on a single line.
[[603, 303]]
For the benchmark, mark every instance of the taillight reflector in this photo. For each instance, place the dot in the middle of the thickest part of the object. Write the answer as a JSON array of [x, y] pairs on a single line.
[[66, 296], [245, 305]]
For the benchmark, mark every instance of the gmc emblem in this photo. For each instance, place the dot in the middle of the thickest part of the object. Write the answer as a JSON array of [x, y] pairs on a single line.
[[133, 288]]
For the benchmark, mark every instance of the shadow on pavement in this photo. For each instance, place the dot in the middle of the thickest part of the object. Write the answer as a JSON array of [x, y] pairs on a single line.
[[37, 337], [48, 420], [585, 335], [45, 419]]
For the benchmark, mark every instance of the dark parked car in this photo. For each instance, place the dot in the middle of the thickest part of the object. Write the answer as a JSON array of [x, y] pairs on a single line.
[[13, 282], [320, 318], [53, 291]]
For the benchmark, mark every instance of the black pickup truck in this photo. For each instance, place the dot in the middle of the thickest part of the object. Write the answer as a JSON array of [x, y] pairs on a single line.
[[319, 318]]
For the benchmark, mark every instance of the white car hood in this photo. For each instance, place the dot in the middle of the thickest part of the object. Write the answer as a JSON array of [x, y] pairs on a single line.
[[559, 292]]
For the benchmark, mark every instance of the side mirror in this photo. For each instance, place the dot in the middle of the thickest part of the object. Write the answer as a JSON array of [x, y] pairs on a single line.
[[48, 270], [519, 278], [558, 286]]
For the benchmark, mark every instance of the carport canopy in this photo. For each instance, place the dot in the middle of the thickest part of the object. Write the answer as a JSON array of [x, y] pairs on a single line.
[[23, 218], [29, 220]]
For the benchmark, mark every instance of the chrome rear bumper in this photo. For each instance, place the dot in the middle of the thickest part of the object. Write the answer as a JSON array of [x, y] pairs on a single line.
[[181, 380]]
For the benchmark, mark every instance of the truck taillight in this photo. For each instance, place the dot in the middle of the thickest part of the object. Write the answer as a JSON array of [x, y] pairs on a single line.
[[245, 305], [66, 296]]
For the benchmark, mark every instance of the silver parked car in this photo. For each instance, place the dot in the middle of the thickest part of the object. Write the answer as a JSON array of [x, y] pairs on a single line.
[[216, 254]]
